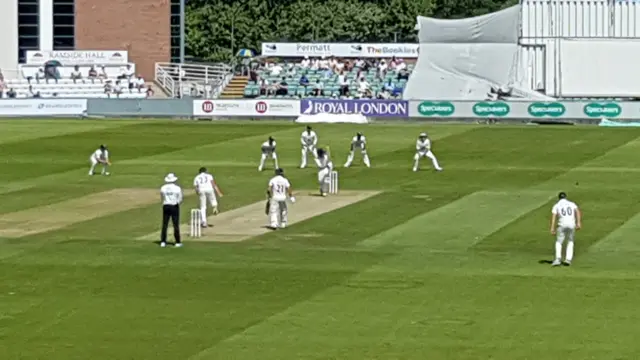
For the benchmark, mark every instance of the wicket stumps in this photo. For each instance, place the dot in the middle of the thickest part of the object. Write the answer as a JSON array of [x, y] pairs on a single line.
[[333, 182], [195, 225]]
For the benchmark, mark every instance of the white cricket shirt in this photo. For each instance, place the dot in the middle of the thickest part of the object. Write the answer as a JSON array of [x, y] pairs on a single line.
[[323, 162], [309, 138], [268, 148], [423, 145], [279, 187], [171, 194], [100, 155], [565, 210], [358, 143], [203, 182]]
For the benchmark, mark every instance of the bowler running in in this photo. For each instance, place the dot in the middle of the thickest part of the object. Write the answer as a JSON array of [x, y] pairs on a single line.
[[358, 142], [278, 190], [268, 150], [206, 188], [309, 141], [566, 218], [325, 166], [423, 149], [100, 156]]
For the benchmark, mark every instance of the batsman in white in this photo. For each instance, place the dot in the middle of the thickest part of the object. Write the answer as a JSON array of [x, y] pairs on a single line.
[[569, 219], [358, 142], [423, 149], [325, 166], [268, 150], [100, 156], [309, 140], [205, 185], [278, 190]]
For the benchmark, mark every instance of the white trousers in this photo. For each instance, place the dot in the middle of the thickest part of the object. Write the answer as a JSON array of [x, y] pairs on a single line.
[[278, 213], [210, 197]]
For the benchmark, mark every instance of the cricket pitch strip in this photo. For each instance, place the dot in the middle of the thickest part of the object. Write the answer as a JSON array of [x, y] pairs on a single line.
[[249, 221]]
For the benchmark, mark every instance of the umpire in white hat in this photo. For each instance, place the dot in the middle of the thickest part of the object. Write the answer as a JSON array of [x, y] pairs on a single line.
[[171, 199]]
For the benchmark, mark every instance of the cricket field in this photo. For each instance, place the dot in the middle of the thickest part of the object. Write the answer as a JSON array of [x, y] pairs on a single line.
[[399, 265]]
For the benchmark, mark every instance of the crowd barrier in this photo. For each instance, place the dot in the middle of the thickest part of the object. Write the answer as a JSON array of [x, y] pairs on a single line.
[[561, 111]]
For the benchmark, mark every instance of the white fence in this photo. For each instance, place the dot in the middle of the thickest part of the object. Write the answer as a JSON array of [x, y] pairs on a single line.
[[192, 79]]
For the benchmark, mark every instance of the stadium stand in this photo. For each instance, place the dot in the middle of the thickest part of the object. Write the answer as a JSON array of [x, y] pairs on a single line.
[[85, 81], [328, 78]]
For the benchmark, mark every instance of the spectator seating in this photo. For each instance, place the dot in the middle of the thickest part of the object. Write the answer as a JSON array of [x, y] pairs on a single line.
[[376, 79], [112, 81]]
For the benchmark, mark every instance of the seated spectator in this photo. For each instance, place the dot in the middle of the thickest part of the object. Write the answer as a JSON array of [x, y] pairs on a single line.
[[400, 65], [276, 69], [317, 88], [108, 88], [253, 76], [75, 74], [339, 66], [117, 88], [40, 75], [291, 72], [305, 63], [37, 95], [389, 87], [359, 63], [323, 64], [403, 74], [283, 87], [393, 63], [315, 64], [150, 92], [11, 94], [363, 88], [139, 83], [304, 81], [126, 73], [93, 74], [103, 73]]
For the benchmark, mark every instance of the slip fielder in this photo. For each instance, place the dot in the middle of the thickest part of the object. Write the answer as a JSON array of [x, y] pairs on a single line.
[[325, 166], [100, 156], [309, 141], [358, 142], [268, 149], [423, 149], [205, 185]]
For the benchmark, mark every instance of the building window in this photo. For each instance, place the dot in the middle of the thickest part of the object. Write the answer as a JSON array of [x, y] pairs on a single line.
[[28, 27], [64, 26], [175, 31]]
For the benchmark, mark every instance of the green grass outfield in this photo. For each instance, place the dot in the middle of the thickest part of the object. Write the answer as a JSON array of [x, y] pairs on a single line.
[[434, 266]]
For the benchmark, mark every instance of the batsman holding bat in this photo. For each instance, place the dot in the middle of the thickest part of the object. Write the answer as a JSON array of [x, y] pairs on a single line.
[[100, 156]]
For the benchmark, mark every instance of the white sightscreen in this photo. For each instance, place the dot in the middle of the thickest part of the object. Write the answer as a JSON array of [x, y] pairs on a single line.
[[599, 68]]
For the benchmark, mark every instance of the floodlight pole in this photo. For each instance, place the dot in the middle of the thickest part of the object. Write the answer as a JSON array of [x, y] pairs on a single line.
[[182, 30]]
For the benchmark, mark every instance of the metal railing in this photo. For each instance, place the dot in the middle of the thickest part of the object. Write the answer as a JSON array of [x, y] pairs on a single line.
[[195, 80]]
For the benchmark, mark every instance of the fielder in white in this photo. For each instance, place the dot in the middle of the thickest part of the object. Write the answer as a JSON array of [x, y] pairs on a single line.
[[205, 185], [325, 166], [278, 190], [358, 142], [423, 149], [100, 156], [569, 219], [309, 141], [268, 150]]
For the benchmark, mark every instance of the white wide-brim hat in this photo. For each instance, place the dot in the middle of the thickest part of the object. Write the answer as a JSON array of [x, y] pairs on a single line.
[[171, 177]]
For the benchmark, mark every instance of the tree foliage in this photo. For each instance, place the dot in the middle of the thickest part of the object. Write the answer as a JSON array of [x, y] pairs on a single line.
[[217, 29]]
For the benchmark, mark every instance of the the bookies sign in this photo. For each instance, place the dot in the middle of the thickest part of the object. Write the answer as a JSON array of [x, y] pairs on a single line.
[[268, 107], [369, 50], [525, 109], [42, 107], [78, 57], [391, 108]]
